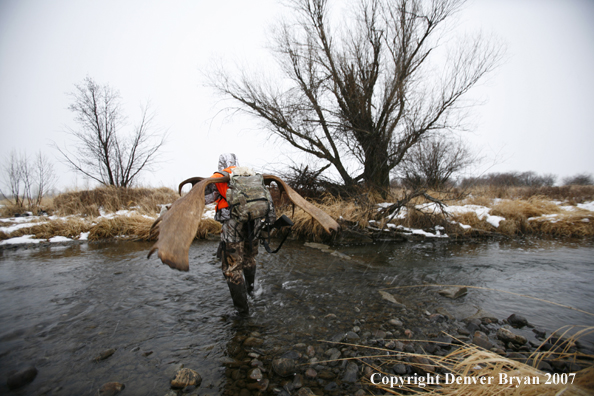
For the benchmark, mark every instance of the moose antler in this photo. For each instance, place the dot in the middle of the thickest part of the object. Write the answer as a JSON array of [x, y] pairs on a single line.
[[176, 228]]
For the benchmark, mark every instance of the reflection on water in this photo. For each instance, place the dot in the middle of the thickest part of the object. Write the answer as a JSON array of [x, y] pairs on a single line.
[[61, 306]]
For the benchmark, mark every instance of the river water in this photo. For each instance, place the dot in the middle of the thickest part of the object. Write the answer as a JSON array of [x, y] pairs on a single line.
[[61, 306]]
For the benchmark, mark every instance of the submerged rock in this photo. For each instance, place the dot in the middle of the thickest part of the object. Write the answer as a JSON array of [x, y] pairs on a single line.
[[105, 354], [351, 373], [454, 292], [186, 377], [388, 297], [305, 392], [253, 342], [284, 367], [21, 377], [111, 388], [517, 321], [260, 385]]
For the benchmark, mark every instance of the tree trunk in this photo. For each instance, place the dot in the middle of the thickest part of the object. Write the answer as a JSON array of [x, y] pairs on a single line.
[[376, 172]]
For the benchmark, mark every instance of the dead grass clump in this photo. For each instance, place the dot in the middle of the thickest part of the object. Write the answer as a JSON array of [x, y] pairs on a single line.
[[208, 226], [112, 199], [357, 211], [471, 219], [573, 225], [517, 213], [70, 228], [480, 200], [129, 226], [423, 220], [138, 227]]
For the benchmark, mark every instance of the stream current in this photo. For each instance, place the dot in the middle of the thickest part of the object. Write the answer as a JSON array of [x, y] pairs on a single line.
[[61, 306]]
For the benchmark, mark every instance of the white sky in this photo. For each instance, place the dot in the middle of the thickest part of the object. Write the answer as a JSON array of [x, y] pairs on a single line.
[[538, 115]]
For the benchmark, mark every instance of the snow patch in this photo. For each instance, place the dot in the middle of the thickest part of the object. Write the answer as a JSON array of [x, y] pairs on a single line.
[[21, 239], [59, 239]]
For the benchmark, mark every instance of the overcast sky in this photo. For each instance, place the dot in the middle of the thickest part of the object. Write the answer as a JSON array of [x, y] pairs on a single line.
[[538, 112]]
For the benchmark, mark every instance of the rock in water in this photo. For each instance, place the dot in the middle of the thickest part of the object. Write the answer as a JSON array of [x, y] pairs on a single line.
[[186, 377], [21, 378], [284, 366], [517, 321], [506, 335], [259, 385], [453, 292], [111, 388], [387, 296], [305, 392], [351, 373], [482, 340], [105, 354]]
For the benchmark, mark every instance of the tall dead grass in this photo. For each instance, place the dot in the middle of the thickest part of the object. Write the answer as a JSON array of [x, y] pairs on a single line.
[[112, 199], [70, 228], [523, 216], [355, 211]]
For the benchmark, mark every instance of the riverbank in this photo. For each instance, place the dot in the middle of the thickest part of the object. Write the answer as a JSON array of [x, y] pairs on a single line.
[[480, 355], [106, 213]]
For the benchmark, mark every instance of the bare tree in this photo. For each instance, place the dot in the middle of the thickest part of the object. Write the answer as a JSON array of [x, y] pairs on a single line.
[[581, 179], [28, 181], [102, 151], [13, 178], [45, 178], [360, 100], [432, 162]]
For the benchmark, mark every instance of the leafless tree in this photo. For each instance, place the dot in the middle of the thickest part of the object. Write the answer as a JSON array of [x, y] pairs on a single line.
[[432, 162], [28, 182], [361, 99], [45, 178], [102, 151], [581, 179], [13, 178]]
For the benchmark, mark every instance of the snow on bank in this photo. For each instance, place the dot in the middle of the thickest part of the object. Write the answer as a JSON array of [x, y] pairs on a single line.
[[21, 239], [9, 225], [482, 212], [12, 224]]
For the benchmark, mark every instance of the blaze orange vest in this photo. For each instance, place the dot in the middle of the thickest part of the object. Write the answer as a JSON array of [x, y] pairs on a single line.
[[222, 187]]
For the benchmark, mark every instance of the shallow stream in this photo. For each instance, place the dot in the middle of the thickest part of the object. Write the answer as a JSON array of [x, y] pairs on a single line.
[[61, 306]]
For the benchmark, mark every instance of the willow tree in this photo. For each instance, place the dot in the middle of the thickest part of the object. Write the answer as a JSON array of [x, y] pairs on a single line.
[[360, 96], [102, 150]]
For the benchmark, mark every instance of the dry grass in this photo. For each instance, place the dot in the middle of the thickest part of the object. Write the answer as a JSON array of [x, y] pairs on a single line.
[[569, 225], [569, 194], [350, 210], [135, 226], [112, 199], [71, 228], [472, 362], [523, 214]]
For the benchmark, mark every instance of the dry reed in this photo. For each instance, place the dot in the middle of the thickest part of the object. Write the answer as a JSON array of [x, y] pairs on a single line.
[[468, 364]]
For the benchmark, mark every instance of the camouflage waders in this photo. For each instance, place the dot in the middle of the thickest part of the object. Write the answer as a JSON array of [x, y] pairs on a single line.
[[239, 259]]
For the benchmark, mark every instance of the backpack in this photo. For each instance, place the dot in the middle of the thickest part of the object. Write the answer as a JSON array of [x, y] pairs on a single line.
[[247, 196]]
